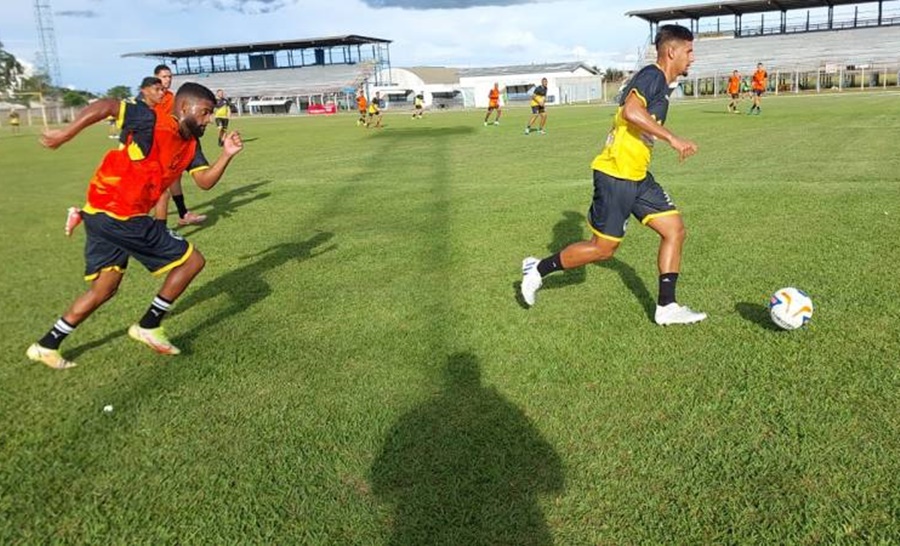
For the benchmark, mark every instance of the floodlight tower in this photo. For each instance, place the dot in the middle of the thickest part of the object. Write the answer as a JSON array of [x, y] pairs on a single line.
[[43, 16]]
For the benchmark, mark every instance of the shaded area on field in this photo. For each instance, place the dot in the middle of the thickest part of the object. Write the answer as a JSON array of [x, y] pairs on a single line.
[[633, 283], [225, 205], [466, 467], [245, 286], [565, 232], [429, 131], [756, 313]]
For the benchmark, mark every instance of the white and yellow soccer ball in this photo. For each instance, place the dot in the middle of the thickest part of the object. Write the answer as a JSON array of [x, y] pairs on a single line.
[[790, 308]]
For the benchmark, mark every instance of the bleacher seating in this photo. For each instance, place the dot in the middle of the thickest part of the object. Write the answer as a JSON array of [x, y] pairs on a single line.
[[308, 80], [873, 46]]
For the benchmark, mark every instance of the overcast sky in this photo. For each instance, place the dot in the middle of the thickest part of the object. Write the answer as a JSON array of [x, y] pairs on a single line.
[[92, 35]]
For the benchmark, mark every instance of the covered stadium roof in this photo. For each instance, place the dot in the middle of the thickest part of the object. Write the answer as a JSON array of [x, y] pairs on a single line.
[[309, 43], [734, 7]]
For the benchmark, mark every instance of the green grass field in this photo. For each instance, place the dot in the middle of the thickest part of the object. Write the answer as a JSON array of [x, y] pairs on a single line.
[[357, 369]]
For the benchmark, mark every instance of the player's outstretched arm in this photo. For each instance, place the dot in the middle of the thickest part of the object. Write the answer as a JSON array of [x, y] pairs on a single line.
[[636, 114], [231, 146], [94, 112]]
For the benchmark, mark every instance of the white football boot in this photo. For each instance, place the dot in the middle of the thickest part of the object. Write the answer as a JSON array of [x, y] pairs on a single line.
[[676, 314], [531, 279]]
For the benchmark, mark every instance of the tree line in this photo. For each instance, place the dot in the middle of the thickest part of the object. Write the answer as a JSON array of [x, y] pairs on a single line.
[[17, 88]]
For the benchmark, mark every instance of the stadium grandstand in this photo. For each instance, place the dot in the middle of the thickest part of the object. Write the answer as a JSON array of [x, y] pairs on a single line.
[[806, 45], [283, 76]]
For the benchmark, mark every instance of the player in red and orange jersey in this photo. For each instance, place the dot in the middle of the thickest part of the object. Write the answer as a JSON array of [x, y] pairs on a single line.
[[758, 85], [124, 188], [361, 107], [734, 91], [493, 104]]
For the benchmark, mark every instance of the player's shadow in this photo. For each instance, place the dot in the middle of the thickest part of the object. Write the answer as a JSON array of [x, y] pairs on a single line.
[[226, 204], [634, 283], [75, 352], [757, 314], [568, 230], [466, 467], [429, 131], [245, 286]]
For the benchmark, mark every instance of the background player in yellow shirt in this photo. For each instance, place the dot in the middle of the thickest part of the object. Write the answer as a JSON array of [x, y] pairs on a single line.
[[222, 114], [623, 186], [538, 98]]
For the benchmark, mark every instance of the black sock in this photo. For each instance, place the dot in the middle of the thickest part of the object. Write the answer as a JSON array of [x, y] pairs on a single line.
[[155, 313], [179, 202], [549, 265], [56, 335], [667, 283]]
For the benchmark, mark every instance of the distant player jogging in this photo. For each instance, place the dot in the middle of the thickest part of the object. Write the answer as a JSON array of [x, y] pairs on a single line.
[[623, 186], [538, 107], [759, 82], [734, 91], [418, 106], [493, 105]]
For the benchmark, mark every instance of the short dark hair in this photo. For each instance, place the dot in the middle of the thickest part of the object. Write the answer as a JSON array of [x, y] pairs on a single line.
[[150, 80], [159, 68], [668, 33], [191, 90]]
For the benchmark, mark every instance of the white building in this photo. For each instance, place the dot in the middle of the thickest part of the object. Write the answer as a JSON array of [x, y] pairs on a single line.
[[469, 87]]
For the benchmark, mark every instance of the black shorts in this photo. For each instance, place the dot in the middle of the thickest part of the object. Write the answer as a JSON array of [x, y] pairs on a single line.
[[539, 109], [110, 242], [418, 107], [492, 108], [616, 199], [735, 96], [759, 92], [222, 122]]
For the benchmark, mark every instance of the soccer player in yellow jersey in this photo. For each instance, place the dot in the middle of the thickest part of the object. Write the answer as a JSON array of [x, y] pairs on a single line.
[[222, 114], [538, 98], [623, 186]]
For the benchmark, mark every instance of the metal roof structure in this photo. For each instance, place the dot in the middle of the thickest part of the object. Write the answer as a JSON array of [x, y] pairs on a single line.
[[256, 47], [735, 7]]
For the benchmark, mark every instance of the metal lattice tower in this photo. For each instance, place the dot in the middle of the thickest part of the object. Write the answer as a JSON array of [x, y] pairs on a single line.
[[49, 61]]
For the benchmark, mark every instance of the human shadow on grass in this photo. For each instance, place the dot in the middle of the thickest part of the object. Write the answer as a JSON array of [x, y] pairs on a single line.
[[245, 286], [466, 467], [565, 232], [634, 283], [757, 314], [225, 205], [419, 132]]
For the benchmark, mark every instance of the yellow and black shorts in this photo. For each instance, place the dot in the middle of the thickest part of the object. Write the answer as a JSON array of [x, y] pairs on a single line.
[[616, 199], [110, 242]]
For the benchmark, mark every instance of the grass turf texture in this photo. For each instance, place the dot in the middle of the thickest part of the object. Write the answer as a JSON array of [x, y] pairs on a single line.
[[356, 368]]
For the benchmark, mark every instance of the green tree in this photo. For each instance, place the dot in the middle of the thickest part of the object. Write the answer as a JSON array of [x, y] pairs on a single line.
[[613, 75], [74, 99], [10, 69], [119, 92]]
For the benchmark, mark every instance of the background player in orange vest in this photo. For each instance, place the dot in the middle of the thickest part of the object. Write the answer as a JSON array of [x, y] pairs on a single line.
[[361, 106], [758, 85], [493, 105], [734, 91]]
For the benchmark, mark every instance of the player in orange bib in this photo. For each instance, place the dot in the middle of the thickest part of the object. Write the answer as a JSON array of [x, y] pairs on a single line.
[[124, 188], [493, 105], [361, 107], [758, 85], [734, 91]]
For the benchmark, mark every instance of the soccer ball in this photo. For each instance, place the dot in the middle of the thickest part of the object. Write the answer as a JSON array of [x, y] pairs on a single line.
[[790, 308]]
